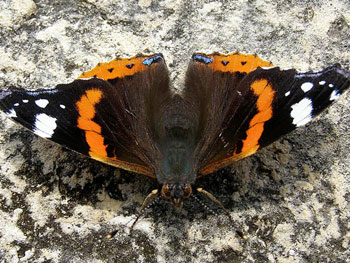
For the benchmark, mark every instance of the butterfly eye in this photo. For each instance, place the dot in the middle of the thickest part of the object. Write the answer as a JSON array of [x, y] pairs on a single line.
[[187, 191], [166, 191]]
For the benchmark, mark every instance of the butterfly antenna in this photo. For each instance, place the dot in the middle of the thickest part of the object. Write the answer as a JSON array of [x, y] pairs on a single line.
[[215, 200], [204, 205]]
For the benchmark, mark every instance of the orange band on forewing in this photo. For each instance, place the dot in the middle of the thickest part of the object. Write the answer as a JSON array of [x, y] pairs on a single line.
[[263, 90], [86, 107], [237, 62], [96, 143], [117, 68], [265, 93], [87, 111]]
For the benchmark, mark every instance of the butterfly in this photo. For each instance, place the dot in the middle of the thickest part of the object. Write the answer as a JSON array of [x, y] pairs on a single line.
[[124, 113]]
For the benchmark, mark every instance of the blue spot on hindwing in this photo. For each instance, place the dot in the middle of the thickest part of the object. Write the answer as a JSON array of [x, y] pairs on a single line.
[[150, 60], [202, 59]]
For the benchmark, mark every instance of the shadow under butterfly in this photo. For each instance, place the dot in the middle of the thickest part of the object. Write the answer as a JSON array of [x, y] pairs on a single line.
[[123, 113]]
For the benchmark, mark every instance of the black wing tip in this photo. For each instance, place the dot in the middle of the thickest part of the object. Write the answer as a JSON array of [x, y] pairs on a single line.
[[336, 68], [4, 93], [342, 71]]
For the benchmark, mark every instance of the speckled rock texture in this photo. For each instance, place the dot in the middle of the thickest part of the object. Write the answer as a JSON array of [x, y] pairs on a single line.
[[291, 199]]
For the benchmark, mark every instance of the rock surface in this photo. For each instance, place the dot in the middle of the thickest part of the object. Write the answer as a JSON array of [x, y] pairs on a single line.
[[292, 199]]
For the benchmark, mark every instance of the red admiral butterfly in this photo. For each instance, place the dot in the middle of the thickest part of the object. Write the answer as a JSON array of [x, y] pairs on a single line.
[[124, 113]]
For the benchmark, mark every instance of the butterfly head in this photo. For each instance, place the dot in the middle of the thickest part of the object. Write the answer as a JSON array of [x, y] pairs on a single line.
[[176, 192]]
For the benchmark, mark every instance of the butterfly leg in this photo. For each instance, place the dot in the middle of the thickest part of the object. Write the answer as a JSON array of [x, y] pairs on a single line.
[[145, 204], [215, 200]]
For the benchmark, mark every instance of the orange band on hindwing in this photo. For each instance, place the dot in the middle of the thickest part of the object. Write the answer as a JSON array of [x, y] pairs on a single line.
[[118, 68], [236, 62], [265, 93], [87, 111]]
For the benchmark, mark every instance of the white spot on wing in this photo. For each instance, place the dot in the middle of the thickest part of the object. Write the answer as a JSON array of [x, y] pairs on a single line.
[[42, 103], [11, 113], [331, 85], [25, 101], [334, 95], [306, 86], [287, 93], [322, 82], [302, 112], [62, 106], [45, 125], [16, 104]]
